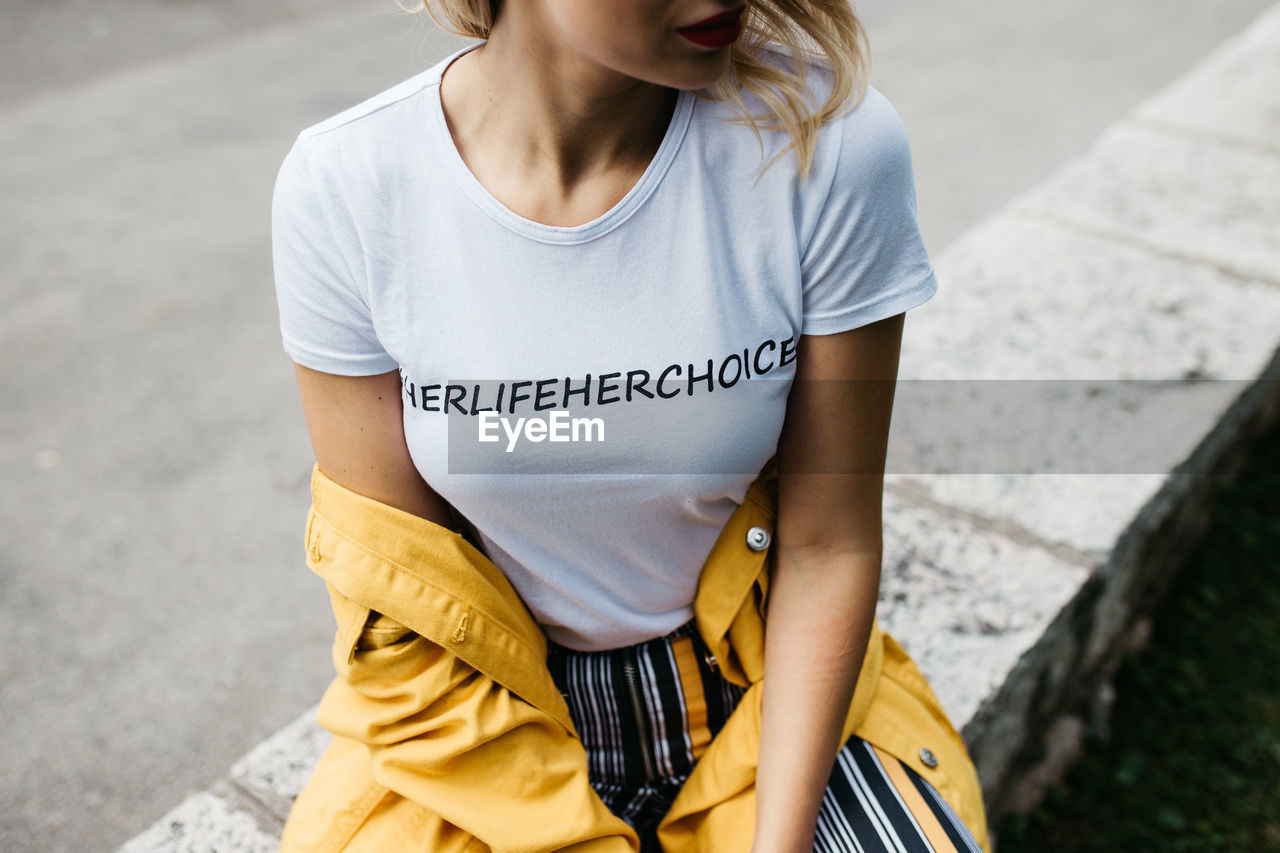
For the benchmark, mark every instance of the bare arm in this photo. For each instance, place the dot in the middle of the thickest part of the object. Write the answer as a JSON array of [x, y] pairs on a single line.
[[826, 574], [437, 731], [357, 433]]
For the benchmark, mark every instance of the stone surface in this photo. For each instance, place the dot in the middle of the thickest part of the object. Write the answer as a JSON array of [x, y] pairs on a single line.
[[1182, 195], [1058, 311], [966, 602], [1083, 512], [1231, 95], [203, 823], [1063, 748], [1052, 426], [1025, 299], [279, 767]]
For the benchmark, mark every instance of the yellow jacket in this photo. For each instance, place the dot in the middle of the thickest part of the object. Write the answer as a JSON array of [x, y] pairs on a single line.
[[450, 734]]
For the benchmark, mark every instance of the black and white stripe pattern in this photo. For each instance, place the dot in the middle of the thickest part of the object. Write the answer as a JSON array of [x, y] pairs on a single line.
[[863, 810], [634, 713]]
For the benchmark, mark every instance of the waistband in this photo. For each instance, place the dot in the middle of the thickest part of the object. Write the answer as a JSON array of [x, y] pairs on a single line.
[[688, 629]]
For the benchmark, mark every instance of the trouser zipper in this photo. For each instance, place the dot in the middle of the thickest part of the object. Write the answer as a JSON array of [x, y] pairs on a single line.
[[631, 675]]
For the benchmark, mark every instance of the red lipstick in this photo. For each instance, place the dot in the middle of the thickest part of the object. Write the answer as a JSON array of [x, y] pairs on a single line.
[[716, 31]]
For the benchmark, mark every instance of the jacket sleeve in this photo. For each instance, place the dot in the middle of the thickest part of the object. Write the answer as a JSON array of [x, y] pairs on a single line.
[[448, 737]]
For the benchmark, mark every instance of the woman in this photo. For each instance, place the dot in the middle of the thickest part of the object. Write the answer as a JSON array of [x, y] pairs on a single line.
[[569, 224]]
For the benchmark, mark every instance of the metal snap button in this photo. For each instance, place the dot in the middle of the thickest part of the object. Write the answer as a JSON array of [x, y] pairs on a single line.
[[710, 659], [757, 539], [927, 756]]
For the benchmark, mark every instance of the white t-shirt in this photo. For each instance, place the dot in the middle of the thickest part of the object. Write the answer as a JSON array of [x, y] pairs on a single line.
[[666, 328]]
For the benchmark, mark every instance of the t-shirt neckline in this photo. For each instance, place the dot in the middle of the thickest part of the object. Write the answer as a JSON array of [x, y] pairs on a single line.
[[607, 221]]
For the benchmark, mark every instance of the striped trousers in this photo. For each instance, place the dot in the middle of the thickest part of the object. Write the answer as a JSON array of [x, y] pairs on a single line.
[[647, 712]]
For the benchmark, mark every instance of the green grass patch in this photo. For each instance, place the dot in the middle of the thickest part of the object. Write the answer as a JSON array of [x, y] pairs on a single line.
[[1193, 762]]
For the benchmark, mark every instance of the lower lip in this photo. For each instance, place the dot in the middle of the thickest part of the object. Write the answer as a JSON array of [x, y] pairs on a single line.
[[721, 36]]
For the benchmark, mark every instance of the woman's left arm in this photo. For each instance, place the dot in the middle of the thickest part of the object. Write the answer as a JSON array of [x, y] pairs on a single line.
[[826, 571]]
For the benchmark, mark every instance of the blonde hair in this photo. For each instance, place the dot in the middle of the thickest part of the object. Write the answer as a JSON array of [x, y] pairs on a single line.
[[826, 32]]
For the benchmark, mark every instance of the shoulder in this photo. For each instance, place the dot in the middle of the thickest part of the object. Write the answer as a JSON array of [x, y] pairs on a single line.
[[373, 135], [864, 149], [357, 159], [871, 109], [867, 149], [381, 106], [376, 123], [873, 127], [865, 132]]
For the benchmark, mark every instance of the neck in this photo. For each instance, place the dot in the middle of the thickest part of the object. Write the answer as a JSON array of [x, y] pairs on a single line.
[[553, 112]]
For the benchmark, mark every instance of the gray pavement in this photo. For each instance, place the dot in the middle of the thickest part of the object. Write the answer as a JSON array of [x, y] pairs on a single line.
[[52, 44], [156, 618]]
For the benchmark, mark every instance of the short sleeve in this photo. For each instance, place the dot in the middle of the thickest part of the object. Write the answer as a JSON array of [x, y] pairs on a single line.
[[325, 319], [866, 260]]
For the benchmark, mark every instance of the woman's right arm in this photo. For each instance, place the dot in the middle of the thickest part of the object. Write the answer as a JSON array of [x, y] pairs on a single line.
[[355, 421], [440, 733], [357, 433]]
